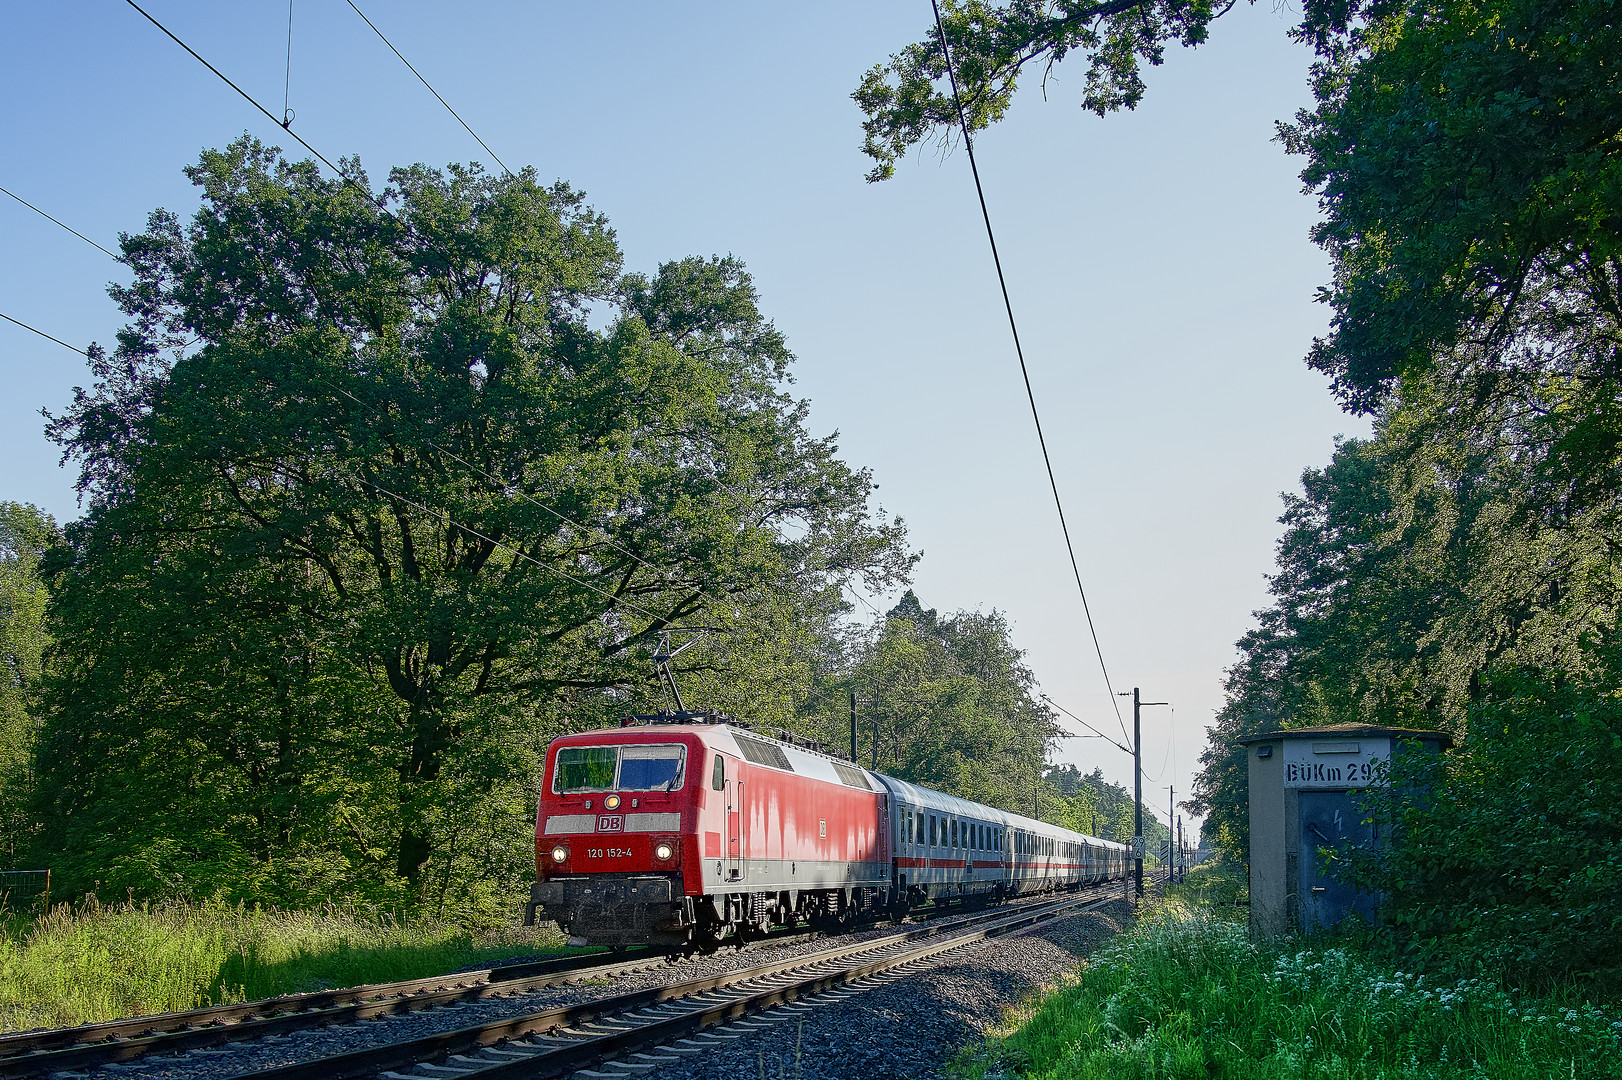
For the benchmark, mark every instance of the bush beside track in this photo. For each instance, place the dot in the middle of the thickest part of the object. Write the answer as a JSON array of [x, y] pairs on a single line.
[[1184, 994], [91, 962]]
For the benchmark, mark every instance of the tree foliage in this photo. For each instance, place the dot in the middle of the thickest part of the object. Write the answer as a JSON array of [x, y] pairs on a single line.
[[1510, 848], [945, 702], [1088, 803], [1465, 155], [25, 533], [382, 492], [1462, 568], [908, 99]]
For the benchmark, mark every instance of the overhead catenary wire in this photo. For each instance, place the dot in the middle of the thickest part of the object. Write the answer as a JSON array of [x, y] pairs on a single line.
[[54, 221], [251, 100], [444, 517], [43, 334], [1085, 724], [864, 601], [426, 83], [1030, 394]]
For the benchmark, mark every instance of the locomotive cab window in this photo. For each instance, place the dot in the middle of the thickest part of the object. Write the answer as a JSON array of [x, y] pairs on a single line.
[[656, 767], [649, 767], [718, 778], [584, 768]]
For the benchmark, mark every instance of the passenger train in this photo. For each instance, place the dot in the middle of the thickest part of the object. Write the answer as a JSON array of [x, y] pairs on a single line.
[[682, 830]]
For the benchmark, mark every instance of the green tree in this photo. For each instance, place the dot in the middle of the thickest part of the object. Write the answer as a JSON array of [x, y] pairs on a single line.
[[1088, 803], [427, 485], [1464, 154], [25, 533], [949, 703]]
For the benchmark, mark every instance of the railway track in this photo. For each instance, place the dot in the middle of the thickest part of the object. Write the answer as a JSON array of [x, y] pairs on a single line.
[[38, 1053], [42, 1053], [630, 1033]]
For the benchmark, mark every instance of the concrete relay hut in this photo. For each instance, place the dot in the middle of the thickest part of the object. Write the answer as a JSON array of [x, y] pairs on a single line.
[[1304, 787]]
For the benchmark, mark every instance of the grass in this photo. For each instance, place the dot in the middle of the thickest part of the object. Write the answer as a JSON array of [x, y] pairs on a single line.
[[84, 963], [1185, 994]]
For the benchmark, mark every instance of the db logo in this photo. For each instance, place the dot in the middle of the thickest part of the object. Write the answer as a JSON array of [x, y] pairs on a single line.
[[611, 823]]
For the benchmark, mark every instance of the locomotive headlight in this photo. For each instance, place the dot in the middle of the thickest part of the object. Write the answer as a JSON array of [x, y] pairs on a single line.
[[560, 853], [664, 851], [611, 803]]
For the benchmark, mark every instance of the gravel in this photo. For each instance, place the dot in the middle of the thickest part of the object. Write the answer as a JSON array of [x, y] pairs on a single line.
[[901, 1029], [910, 1028]]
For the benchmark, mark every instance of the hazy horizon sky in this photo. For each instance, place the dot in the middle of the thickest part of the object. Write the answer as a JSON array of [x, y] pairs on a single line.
[[1158, 261]]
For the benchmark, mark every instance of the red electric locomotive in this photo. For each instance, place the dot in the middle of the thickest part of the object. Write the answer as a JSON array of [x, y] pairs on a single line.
[[680, 830]]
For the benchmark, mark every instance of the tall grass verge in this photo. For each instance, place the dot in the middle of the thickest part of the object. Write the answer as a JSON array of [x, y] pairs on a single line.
[[88, 962], [1184, 994]]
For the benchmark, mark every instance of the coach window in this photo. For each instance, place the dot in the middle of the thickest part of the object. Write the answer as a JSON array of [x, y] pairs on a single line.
[[920, 826], [931, 830]]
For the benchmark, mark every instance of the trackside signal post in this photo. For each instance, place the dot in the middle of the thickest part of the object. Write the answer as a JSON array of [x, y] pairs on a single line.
[[1305, 785]]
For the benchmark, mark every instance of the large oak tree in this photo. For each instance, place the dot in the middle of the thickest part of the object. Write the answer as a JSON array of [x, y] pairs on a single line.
[[383, 487]]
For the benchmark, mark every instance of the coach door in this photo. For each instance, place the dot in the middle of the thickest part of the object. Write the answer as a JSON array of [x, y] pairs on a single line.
[[734, 837]]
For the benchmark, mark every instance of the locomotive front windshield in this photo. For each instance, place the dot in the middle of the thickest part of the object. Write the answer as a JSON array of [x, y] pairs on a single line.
[[650, 767]]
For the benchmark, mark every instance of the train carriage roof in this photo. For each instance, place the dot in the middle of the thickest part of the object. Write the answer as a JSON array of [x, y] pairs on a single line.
[[762, 749], [940, 802], [742, 743]]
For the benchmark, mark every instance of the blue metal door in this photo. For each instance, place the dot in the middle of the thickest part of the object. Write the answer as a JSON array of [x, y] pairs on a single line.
[[1330, 819]]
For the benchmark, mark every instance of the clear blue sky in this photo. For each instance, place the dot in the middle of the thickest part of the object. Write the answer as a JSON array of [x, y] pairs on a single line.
[[1158, 260]]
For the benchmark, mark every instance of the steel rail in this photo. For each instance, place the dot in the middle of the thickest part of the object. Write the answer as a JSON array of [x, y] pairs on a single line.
[[577, 1036]]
